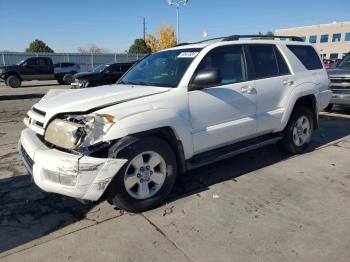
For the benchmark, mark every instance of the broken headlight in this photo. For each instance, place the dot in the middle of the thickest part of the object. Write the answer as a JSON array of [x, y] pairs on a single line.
[[78, 131]]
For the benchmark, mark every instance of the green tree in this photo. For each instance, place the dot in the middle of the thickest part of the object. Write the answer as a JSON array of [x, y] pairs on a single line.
[[39, 46], [139, 47]]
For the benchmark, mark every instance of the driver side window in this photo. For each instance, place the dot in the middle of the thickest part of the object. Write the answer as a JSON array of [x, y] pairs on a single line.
[[229, 61]]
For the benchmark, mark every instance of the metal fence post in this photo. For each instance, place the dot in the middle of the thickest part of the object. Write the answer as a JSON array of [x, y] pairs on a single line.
[[3, 58], [92, 61]]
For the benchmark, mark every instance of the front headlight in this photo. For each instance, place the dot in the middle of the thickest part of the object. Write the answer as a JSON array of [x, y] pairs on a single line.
[[78, 131]]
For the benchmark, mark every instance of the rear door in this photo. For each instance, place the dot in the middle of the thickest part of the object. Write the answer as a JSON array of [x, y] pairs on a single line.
[[273, 79], [45, 69]]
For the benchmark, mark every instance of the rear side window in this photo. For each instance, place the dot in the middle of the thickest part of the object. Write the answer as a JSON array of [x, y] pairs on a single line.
[[307, 55], [264, 60], [44, 62]]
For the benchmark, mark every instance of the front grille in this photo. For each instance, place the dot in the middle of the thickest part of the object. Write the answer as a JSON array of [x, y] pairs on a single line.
[[29, 162], [340, 80], [35, 120], [38, 111]]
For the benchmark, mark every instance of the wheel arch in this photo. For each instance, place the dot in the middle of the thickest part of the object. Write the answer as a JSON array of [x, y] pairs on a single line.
[[173, 129], [308, 100], [12, 73]]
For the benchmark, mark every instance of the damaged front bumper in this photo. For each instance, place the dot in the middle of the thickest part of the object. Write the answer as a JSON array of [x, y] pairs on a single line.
[[68, 174]]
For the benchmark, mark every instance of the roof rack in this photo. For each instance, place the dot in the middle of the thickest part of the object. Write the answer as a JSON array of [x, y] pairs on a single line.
[[237, 37]]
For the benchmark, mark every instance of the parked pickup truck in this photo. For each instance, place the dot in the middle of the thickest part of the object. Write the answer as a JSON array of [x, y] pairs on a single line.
[[34, 68], [175, 110], [340, 83]]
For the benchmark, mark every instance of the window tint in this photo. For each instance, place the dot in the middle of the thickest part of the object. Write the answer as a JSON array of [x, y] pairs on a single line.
[[125, 68], [333, 56], [336, 37], [44, 62], [32, 61], [113, 69], [264, 60], [313, 39], [282, 65], [324, 39], [307, 55], [347, 36], [303, 38], [229, 60]]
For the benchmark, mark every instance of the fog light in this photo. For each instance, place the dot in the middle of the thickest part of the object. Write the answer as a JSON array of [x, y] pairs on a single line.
[[62, 179]]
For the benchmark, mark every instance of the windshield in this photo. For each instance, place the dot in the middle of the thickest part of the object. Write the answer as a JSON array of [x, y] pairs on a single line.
[[345, 63], [164, 68], [100, 68]]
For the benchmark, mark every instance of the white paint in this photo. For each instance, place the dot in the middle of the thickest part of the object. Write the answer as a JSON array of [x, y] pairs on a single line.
[[201, 119]]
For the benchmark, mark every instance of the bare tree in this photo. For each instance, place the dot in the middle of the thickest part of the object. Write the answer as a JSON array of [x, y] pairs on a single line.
[[92, 48]]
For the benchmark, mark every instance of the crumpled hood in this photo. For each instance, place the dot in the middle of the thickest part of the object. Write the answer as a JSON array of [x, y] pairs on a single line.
[[339, 72], [80, 100]]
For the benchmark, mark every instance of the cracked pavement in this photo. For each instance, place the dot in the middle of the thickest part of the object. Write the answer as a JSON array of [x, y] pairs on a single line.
[[259, 206]]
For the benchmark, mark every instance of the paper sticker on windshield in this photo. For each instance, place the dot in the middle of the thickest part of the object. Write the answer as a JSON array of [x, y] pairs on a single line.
[[187, 54]]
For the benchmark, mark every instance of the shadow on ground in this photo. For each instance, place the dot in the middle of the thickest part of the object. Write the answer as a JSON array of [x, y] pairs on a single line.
[[27, 213], [19, 97]]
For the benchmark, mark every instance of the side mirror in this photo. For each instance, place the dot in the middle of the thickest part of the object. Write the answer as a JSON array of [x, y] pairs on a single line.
[[206, 78], [25, 64]]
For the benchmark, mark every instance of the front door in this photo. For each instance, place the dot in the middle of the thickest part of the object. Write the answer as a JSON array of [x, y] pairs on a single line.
[[223, 113]]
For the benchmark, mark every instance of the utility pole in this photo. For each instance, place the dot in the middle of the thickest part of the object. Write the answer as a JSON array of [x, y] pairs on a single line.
[[144, 29]]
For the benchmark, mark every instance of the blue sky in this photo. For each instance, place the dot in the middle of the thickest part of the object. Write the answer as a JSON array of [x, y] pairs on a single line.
[[66, 25]]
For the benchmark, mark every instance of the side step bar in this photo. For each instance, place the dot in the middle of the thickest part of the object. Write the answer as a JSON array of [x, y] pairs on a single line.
[[231, 150]]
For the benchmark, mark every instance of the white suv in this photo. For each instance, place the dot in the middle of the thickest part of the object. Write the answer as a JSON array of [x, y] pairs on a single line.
[[173, 111]]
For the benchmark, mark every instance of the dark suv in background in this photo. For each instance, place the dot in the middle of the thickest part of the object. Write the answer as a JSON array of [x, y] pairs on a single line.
[[105, 74], [340, 83]]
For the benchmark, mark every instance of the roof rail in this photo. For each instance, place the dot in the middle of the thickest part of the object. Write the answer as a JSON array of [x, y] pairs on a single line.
[[237, 37]]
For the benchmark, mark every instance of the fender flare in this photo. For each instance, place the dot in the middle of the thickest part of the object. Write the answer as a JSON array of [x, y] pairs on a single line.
[[154, 119], [293, 98]]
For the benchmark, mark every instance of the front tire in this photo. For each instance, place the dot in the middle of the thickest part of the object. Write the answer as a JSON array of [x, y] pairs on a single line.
[[298, 132], [13, 81], [147, 178]]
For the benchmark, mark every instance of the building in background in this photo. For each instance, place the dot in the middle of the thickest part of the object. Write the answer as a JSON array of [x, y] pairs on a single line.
[[331, 40]]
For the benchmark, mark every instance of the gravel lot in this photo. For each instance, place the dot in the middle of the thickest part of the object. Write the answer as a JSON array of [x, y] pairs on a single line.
[[260, 206]]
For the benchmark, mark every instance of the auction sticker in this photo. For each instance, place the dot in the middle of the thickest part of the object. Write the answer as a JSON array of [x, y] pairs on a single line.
[[187, 54]]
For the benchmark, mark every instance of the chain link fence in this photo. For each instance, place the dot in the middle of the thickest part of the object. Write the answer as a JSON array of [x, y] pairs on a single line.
[[86, 61]]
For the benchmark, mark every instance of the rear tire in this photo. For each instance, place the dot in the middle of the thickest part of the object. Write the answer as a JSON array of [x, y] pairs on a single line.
[[298, 132], [68, 79], [61, 82], [13, 81], [147, 178]]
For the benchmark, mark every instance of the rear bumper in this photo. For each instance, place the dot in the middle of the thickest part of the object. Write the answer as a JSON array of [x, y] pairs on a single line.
[[340, 99], [68, 174], [323, 99]]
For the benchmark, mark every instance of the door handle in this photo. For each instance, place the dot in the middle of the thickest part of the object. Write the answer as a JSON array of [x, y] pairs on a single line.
[[247, 89], [287, 82]]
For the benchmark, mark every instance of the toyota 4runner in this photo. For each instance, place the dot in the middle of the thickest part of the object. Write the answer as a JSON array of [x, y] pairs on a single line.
[[173, 111]]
